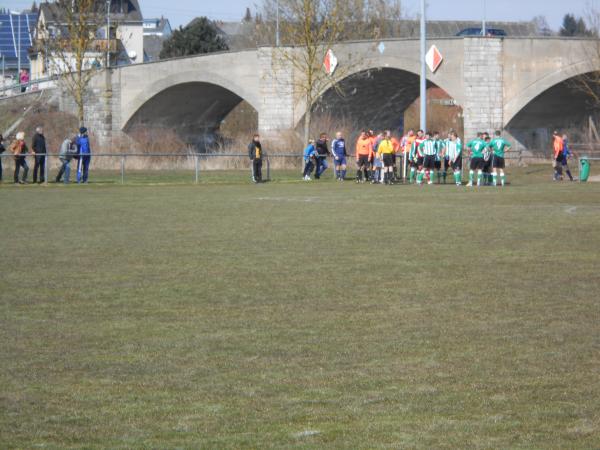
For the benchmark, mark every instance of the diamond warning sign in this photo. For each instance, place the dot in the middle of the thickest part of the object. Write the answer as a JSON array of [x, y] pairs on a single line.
[[434, 58]]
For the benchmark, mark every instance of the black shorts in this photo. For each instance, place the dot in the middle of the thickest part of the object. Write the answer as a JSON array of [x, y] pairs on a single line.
[[457, 165], [438, 164], [487, 165], [388, 159], [363, 161], [477, 163], [447, 164], [498, 162], [429, 162], [420, 161]]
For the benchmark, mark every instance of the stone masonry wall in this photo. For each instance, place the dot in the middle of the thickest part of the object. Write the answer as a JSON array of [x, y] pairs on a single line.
[[483, 85]]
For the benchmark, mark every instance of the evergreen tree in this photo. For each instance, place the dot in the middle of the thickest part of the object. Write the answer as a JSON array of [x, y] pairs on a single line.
[[248, 15], [200, 36], [572, 27]]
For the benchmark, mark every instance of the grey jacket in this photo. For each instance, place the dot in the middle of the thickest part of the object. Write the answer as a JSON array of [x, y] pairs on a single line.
[[67, 150]]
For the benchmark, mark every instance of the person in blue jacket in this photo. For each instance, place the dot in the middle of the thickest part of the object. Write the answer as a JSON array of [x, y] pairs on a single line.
[[565, 157], [310, 153], [84, 151], [338, 150]]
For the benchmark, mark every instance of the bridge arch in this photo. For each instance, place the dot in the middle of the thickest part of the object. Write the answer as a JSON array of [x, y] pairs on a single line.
[[394, 77], [193, 102], [533, 91]]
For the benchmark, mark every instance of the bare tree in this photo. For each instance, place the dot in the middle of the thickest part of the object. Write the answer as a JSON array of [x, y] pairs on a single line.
[[72, 47], [308, 29]]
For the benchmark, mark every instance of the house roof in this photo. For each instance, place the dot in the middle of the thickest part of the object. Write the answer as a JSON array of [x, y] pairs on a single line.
[[121, 10]]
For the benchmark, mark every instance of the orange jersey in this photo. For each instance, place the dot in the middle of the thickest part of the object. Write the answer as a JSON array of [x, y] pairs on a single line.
[[396, 145], [559, 145], [364, 147], [409, 141]]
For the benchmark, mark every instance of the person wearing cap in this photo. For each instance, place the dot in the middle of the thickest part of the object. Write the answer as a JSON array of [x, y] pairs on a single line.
[[19, 149], [84, 151]]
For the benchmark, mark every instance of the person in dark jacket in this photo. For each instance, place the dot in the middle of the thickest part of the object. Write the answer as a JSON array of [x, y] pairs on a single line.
[[322, 152], [38, 147], [255, 153], [84, 151], [2, 150]]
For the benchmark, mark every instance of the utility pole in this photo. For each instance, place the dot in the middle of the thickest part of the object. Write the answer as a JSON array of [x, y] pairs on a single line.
[[277, 25], [19, 45], [484, 24], [423, 122], [107, 34]]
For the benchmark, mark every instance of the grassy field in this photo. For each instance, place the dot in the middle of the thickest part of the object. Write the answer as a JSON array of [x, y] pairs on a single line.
[[300, 315]]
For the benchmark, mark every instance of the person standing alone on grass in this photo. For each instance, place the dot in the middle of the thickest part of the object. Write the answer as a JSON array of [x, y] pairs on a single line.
[[322, 152], [309, 157], [19, 149], [558, 146], [255, 153], [565, 157], [2, 150], [67, 150], [38, 147], [499, 147], [338, 150]]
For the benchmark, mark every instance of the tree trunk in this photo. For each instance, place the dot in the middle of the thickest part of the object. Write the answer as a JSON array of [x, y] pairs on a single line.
[[307, 123]]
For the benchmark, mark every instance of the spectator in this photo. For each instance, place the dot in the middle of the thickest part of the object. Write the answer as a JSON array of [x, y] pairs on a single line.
[[67, 150], [309, 157], [19, 149], [2, 149], [84, 151], [24, 79], [255, 153], [322, 152], [38, 147]]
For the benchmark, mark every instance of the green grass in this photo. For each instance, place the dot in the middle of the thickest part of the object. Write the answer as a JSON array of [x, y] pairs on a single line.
[[300, 315]]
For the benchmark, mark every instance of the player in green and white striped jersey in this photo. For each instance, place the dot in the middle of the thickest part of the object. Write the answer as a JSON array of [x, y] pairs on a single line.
[[439, 145], [499, 147], [453, 155], [428, 149]]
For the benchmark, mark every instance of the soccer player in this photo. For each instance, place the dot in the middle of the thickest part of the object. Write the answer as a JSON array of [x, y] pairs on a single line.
[[377, 163], [364, 153], [395, 156], [477, 146], [453, 156], [558, 145], [428, 150], [338, 149], [407, 143], [499, 147], [385, 153], [415, 156], [310, 153], [487, 158], [566, 155], [439, 145]]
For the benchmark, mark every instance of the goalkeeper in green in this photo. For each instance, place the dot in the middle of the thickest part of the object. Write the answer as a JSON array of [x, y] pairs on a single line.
[[499, 147]]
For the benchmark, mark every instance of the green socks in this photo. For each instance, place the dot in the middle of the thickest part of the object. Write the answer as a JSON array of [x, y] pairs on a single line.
[[495, 179], [420, 177], [457, 179], [503, 179], [412, 175], [479, 178], [471, 175]]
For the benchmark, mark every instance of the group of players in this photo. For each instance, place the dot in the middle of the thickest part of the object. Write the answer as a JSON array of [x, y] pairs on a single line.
[[429, 157]]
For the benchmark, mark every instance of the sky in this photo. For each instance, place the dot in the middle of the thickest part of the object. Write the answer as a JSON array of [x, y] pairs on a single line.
[[180, 12]]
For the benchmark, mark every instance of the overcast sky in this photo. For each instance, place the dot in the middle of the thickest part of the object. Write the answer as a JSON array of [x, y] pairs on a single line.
[[180, 12]]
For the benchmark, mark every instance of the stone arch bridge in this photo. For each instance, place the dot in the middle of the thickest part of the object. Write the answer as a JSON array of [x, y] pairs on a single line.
[[519, 84]]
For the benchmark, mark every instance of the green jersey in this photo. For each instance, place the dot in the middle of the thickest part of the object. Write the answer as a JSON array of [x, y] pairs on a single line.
[[428, 147], [453, 149], [499, 146], [439, 145], [477, 147]]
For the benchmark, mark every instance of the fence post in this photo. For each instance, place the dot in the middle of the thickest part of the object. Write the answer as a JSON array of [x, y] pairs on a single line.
[[46, 167], [268, 169], [197, 168], [122, 169]]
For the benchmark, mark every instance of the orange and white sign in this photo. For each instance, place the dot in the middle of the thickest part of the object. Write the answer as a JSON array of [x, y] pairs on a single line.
[[330, 63], [433, 58]]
